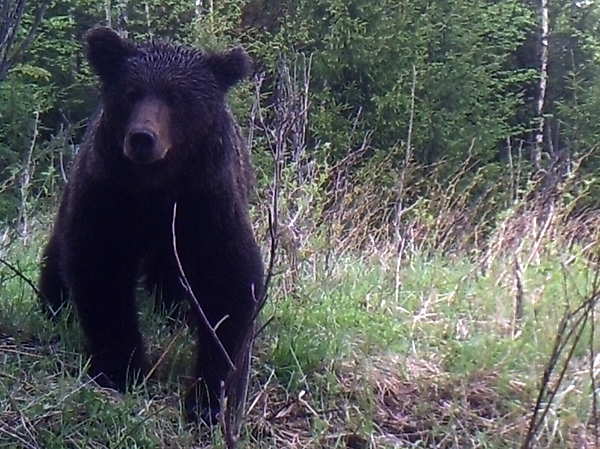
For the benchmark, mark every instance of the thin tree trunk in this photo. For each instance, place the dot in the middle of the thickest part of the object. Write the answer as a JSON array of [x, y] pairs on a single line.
[[108, 13], [539, 134], [28, 169], [124, 18], [401, 240], [148, 20], [11, 19], [203, 8]]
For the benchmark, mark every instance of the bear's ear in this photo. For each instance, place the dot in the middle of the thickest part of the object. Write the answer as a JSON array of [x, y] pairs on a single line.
[[230, 67], [106, 51]]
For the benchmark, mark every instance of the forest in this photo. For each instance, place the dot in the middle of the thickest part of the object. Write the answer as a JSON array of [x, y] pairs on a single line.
[[432, 169]]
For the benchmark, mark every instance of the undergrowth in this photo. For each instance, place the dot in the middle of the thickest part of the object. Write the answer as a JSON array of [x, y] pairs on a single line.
[[439, 322], [366, 349]]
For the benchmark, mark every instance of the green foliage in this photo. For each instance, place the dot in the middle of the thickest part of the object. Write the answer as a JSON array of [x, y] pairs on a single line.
[[22, 101], [573, 103], [366, 56], [454, 77]]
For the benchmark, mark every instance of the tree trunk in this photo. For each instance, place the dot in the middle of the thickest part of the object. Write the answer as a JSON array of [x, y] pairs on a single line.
[[539, 133], [108, 13]]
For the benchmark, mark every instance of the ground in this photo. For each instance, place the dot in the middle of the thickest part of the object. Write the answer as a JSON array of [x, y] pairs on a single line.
[[342, 363]]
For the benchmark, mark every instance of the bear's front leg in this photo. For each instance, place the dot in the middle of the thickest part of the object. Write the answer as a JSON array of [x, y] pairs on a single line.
[[101, 269], [53, 292], [109, 321]]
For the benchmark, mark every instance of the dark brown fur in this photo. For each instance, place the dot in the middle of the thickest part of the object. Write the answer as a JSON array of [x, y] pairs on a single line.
[[163, 135]]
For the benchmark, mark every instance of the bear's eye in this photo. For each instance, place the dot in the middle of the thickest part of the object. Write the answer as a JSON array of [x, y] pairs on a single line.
[[174, 97], [133, 95]]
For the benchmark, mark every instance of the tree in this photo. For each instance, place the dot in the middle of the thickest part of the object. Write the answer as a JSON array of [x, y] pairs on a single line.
[[11, 47], [539, 134]]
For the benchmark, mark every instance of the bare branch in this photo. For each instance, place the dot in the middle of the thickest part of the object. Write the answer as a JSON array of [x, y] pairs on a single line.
[[26, 176], [195, 301], [569, 333], [12, 15], [22, 276]]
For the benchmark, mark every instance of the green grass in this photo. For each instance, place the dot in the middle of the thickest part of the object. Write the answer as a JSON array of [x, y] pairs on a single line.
[[349, 360]]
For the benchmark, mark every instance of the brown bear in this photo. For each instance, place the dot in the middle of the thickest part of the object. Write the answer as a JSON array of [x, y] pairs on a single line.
[[163, 135]]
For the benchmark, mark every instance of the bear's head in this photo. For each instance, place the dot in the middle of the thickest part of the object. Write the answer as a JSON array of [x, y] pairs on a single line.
[[160, 98]]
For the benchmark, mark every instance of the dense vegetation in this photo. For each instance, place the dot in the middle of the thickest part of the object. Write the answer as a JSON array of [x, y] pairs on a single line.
[[436, 168], [394, 91]]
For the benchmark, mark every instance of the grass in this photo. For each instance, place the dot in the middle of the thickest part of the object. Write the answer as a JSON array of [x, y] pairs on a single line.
[[351, 359]]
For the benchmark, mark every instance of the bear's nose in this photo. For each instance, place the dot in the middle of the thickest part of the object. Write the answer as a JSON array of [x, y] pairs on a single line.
[[140, 145]]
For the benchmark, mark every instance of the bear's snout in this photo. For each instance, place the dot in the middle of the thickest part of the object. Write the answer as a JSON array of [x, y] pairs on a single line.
[[141, 145], [147, 139]]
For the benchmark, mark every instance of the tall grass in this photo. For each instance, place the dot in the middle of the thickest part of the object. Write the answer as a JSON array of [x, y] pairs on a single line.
[[426, 326]]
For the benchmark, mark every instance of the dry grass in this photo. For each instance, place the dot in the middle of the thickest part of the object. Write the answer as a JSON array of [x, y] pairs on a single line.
[[414, 407]]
